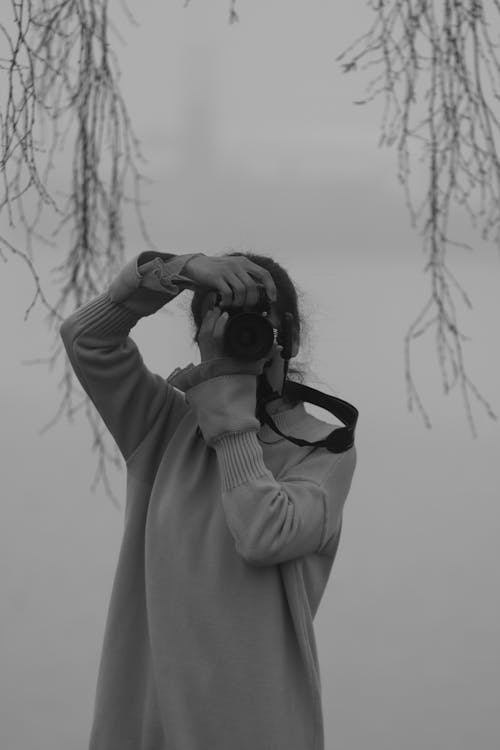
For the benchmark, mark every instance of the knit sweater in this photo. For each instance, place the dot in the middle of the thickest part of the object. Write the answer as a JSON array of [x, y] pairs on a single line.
[[230, 533]]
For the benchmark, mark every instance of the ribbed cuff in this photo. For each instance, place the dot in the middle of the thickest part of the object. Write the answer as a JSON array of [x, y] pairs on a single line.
[[104, 317], [126, 282], [186, 378], [165, 273], [160, 272], [240, 459]]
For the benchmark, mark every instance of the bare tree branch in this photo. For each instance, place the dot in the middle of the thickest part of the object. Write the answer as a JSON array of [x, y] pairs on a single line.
[[458, 143], [62, 73]]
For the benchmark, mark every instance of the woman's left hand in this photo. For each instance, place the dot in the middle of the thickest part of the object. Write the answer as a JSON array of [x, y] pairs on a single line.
[[211, 334]]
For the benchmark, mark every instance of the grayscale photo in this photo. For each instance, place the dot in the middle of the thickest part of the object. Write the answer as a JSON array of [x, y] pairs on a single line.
[[250, 378]]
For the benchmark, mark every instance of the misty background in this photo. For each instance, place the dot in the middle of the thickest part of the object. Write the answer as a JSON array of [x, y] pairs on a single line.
[[253, 143]]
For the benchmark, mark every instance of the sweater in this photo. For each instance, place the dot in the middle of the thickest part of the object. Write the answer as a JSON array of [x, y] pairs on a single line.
[[230, 534]]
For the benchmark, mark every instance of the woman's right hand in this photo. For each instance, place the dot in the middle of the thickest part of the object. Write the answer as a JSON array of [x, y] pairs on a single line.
[[235, 277]]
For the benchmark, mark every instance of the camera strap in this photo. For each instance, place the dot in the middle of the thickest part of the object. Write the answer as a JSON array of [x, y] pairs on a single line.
[[341, 438], [338, 441]]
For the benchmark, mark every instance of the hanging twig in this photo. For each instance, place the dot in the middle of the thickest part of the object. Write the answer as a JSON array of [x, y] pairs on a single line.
[[458, 142], [62, 75]]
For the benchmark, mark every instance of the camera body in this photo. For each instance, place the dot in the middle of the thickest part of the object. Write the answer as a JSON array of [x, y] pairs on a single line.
[[248, 334]]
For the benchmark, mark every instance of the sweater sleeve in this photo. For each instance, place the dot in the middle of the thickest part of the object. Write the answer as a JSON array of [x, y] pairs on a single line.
[[106, 360], [272, 522]]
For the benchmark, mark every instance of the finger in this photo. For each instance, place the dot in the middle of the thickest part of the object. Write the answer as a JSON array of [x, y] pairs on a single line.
[[208, 322], [210, 313], [267, 281], [250, 289], [219, 326], [238, 289], [211, 300], [225, 292]]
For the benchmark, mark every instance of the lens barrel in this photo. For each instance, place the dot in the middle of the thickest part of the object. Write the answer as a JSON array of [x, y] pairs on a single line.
[[248, 336]]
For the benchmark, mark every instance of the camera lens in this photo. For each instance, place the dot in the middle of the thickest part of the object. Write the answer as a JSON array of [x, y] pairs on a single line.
[[248, 336]]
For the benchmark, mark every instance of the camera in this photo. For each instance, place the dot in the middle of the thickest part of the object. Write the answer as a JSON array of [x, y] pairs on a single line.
[[248, 334]]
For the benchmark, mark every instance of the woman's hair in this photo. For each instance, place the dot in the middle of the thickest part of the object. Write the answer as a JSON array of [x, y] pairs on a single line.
[[287, 302]]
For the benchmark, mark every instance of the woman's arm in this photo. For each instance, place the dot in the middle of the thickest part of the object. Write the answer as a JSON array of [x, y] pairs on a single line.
[[105, 359]]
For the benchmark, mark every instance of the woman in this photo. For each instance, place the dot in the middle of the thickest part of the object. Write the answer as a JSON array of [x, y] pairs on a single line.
[[230, 530]]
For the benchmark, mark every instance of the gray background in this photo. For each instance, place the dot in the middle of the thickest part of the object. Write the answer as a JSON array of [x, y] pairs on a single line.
[[254, 143]]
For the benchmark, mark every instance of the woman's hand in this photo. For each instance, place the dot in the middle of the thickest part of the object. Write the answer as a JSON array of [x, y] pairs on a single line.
[[211, 334], [236, 278]]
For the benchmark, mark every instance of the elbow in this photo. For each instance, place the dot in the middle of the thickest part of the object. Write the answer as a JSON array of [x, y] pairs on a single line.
[[63, 330], [67, 333], [249, 554], [257, 556], [257, 561], [66, 329]]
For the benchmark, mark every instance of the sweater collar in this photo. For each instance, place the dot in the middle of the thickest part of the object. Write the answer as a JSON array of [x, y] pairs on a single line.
[[285, 417]]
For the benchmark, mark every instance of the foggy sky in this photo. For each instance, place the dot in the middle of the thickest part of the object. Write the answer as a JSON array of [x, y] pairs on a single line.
[[253, 143]]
